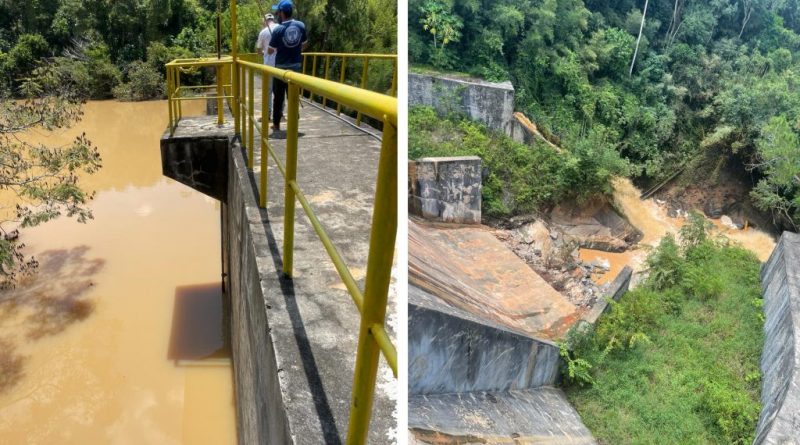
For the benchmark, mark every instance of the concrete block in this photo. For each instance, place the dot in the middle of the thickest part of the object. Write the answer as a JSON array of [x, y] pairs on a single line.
[[446, 189]]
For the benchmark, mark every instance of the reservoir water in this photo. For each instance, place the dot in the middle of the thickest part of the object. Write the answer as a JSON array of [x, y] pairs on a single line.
[[119, 337]]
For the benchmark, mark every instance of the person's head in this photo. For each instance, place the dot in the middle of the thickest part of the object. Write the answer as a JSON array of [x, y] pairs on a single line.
[[268, 18], [283, 10]]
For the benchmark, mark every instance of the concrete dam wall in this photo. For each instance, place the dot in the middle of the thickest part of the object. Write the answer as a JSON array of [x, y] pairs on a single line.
[[779, 422]]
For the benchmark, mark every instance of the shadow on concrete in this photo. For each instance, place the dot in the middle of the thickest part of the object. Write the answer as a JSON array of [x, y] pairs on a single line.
[[54, 295], [321, 404], [200, 325]]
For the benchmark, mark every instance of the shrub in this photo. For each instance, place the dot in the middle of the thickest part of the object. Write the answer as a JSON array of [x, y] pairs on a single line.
[[23, 57], [665, 264], [144, 83], [733, 412]]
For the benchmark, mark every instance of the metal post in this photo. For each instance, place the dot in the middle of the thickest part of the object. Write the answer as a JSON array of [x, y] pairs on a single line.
[[220, 93], [265, 78], [305, 57], [393, 89], [314, 74], [243, 102], [292, 123], [169, 99], [364, 75], [327, 68], [341, 80], [235, 69], [251, 87], [178, 87], [376, 286]]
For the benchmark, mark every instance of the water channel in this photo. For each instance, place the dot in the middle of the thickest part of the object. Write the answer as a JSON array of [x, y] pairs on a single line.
[[118, 339], [652, 219]]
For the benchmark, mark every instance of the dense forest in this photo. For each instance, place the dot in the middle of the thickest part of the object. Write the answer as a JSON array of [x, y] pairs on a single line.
[[657, 84], [118, 48]]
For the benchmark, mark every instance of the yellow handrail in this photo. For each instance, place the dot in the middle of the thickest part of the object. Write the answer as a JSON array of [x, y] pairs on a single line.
[[236, 83], [373, 339]]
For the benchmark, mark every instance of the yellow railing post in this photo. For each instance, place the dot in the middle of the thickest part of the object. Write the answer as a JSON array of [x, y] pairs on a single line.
[[376, 287], [250, 115], [292, 126], [327, 68], [220, 93], [341, 80], [393, 89], [243, 102], [262, 198], [305, 57], [313, 73], [169, 99], [179, 105], [364, 75], [235, 68]]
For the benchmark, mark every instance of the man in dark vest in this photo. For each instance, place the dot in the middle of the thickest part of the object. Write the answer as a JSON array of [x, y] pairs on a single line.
[[288, 41]]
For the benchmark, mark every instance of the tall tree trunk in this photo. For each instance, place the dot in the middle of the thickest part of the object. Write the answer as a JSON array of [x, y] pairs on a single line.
[[638, 39]]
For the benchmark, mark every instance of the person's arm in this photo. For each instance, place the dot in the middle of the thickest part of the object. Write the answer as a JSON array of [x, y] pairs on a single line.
[[273, 40], [270, 50], [260, 44], [305, 45]]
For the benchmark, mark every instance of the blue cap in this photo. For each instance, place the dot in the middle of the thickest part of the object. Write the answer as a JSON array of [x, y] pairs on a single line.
[[285, 5]]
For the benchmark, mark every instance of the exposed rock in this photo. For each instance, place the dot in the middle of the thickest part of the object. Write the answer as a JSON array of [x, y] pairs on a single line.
[[728, 222], [712, 209], [596, 226]]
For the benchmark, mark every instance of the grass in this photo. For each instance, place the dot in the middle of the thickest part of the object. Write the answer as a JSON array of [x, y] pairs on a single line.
[[695, 380]]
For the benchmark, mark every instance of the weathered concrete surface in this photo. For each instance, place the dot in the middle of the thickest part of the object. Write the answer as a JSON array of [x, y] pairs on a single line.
[[779, 422], [450, 351], [446, 189], [532, 416], [616, 290], [197, 155], [482, 101], [470, 269], [294, 341]]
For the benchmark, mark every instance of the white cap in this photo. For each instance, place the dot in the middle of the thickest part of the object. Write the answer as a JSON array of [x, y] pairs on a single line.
[[269, 17]]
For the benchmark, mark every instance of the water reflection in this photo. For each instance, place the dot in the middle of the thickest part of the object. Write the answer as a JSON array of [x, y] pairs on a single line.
[[199, 324]]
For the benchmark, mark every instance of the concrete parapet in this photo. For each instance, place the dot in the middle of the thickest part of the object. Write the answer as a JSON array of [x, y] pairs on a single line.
[[446, 189], [617, 289], [487, 102], [452, 351], [779, 422]]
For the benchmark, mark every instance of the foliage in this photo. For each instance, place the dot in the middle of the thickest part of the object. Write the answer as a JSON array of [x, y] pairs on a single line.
[[778, 156], [708, 78], [46, 180], [144, 82], [520, 178], [676, 360]]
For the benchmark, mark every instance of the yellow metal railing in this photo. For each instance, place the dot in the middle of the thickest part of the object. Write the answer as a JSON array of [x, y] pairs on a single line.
[[341, 59], [177, 93], [235, 83], [372, 302]]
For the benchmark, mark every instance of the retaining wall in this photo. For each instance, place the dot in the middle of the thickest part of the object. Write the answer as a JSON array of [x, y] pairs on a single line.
[[450, 351], [487, 102], [779, 422]]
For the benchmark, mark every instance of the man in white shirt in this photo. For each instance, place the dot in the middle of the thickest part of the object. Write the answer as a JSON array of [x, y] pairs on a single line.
[[262, 43]]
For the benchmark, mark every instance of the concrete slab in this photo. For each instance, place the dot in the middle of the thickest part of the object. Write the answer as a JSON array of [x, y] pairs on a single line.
[[532, 416], [472, 270]]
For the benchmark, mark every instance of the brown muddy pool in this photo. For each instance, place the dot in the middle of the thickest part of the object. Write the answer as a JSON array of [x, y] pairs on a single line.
[[118, 339]]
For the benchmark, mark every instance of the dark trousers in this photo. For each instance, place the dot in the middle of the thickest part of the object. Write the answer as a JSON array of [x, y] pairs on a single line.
[[279, 90]]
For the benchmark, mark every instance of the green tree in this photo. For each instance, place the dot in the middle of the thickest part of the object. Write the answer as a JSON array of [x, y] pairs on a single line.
[[45, 180]]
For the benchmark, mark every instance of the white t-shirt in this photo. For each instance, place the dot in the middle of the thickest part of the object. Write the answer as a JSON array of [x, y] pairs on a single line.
[[263, 43]]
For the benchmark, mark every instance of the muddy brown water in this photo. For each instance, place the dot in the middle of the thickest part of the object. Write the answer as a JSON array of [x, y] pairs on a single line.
[[119, 337], [653, 221]]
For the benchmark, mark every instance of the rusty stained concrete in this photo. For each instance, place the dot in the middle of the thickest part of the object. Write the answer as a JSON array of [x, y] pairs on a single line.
[[470, 269]]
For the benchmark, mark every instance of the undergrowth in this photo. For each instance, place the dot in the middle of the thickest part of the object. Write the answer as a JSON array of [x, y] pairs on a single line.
[[676, 361]]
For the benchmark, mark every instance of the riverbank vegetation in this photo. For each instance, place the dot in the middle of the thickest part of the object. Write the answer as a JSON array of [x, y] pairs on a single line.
[[521, 178], [667, 83], [118, 48], [677, 359]]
